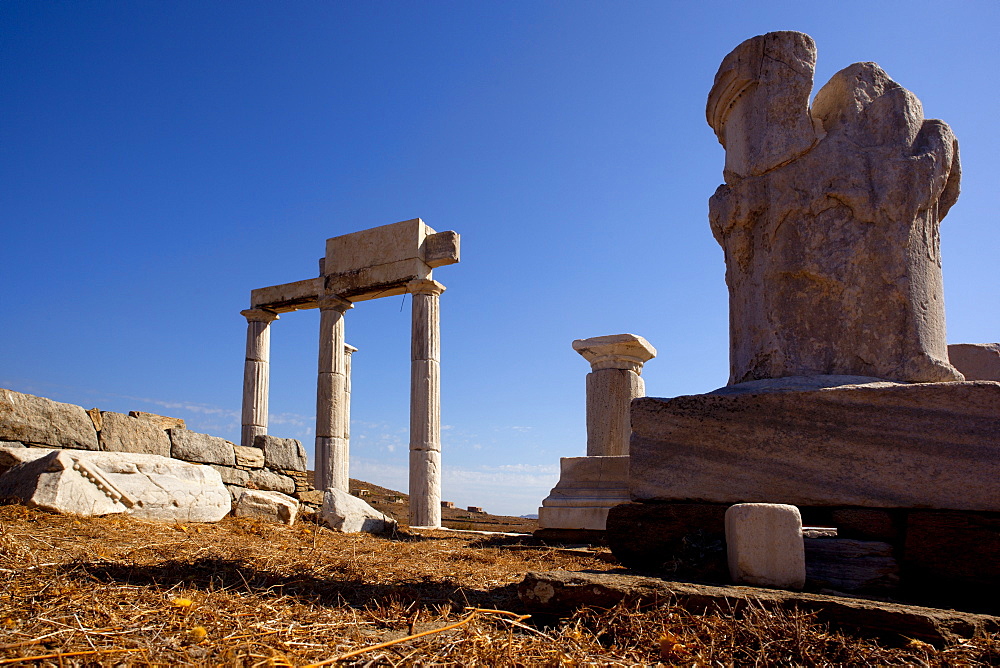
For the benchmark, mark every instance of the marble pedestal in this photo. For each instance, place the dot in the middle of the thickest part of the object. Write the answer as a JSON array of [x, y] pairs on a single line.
[[588, 488]]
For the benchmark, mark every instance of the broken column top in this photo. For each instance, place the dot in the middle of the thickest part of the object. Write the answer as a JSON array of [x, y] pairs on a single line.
[[829, 218], [616, 351]]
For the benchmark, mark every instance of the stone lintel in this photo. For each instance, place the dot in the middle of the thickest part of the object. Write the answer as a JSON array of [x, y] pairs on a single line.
[[288, 296], [616, 351]]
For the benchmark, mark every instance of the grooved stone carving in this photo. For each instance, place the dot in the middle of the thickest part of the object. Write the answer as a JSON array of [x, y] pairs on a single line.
[[829, 218]]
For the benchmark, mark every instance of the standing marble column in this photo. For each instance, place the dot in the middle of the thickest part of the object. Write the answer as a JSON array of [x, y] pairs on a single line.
[[331, 404], [616, 362], [425, 404], [344, 463], [256, 374]]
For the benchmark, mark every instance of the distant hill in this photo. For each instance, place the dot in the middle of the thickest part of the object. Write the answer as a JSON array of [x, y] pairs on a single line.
[[397, 505]]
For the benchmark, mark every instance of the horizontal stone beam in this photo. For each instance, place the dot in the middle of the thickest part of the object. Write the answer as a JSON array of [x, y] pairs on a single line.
[[288, 296]]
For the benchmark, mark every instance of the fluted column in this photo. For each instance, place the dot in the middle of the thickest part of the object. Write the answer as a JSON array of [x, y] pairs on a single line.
[[614, 381], [331, 452], [425, 404], [344, 462], [256, 373]]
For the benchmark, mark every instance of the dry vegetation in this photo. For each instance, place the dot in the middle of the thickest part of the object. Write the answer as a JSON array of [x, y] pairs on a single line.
[[116, 591]]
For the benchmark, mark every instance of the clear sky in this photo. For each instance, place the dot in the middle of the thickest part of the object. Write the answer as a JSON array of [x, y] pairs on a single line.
[[162, 159]]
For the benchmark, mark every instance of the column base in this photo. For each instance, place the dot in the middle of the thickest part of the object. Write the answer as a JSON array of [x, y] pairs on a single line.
[[588, 488]]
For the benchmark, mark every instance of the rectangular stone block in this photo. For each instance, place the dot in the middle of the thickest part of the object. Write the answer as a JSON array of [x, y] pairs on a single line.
[[377, 245], [122, 433], [764, 545], [249, 457], [286, 454], [877, 445], [231, 476], [202, 448], [30, 419], [162, 421], [288, 296], [680, 539]]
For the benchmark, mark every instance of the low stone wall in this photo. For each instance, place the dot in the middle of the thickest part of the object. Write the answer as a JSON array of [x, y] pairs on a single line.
[[274, 464]]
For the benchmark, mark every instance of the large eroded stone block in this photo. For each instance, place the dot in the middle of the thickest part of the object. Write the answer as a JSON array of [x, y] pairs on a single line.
[[829, 218], [876, 445], [30, 419], [349, 514], [202, 448], [101, 483], [286, 454], [123, 433]]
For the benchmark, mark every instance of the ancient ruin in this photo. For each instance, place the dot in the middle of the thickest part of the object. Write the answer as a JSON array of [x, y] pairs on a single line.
[[379, 262], [589, 486], [841, 398], [829, 218]]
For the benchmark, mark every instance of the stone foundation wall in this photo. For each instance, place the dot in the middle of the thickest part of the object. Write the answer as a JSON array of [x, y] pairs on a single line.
[[273, 464]]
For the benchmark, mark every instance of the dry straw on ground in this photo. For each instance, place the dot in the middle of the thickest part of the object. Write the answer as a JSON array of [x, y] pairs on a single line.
[[119, 592]]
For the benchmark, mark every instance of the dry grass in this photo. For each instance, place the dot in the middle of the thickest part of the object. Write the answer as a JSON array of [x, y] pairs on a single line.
[[116, 591]]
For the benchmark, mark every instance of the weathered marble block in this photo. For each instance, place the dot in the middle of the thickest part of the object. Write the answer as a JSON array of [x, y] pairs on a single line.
[[101, 483], [764, 545], [286, 454], [875, 445], [202, 448], [122, 433], [976, 361], [30, 419], [272, 506]]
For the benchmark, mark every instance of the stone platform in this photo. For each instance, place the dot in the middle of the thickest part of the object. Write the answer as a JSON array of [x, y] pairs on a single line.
[[822, 441]]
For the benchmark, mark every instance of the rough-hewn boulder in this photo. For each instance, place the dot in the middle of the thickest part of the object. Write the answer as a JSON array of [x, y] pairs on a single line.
[[349, 514], [272, 506], [30, 419], [123, 433], [194, 447], [282, 453]]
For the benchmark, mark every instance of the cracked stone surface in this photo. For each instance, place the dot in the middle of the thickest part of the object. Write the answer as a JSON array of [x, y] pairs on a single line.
[[100, 483], [829, 218]]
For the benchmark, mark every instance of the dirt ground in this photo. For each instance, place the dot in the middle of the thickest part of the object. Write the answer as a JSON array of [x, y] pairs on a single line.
[[116, 591]]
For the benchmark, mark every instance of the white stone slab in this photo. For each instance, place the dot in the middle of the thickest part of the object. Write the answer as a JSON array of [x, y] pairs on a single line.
[[100, 483], [588, 487]]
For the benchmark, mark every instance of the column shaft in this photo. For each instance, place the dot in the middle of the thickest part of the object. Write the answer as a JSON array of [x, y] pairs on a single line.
[[609, 394], [331, 453], [256, 374], [425, 405]]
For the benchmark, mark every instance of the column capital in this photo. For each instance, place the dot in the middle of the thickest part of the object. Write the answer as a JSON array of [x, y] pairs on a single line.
[[424, 286], [334, 302], [617, 351], [349, 349], [259, 315]]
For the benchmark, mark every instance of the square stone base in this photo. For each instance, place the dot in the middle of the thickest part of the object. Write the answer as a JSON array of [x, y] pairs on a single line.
[[588, 487]]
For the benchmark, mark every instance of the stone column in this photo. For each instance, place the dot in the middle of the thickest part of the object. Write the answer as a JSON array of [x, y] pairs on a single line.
[[344, 472], [616, 362], [425, 404], [256, 373], [331, 406]]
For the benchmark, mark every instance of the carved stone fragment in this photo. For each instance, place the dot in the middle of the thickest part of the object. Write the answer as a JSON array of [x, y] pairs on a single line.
[[829, 218]]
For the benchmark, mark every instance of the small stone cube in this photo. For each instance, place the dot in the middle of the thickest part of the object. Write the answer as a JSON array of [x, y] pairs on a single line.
[[764, 545]]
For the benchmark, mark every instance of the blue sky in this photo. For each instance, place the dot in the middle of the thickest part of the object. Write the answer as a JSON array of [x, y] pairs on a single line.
[[162, 159]]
